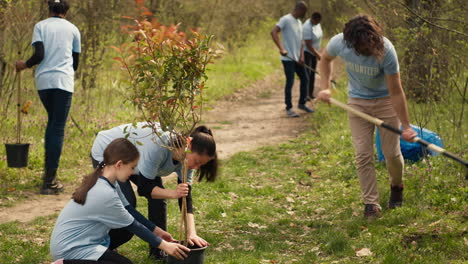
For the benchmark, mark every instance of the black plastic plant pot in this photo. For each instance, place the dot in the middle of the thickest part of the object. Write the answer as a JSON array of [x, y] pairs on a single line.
[[17, 155], [195, 256]]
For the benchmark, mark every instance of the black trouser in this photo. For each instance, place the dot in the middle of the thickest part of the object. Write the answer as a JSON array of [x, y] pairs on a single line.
[[291, 68], [109, 257], [57, 103], [311, 61]]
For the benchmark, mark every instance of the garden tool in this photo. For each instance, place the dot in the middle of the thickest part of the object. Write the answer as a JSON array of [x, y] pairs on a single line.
[[381, 123]]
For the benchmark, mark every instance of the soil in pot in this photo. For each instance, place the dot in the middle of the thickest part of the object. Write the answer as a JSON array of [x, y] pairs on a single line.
[[17, 155], [195, 256]]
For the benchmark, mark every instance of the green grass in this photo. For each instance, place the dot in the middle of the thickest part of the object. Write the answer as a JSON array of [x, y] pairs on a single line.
[[257, 58], [299, 202]]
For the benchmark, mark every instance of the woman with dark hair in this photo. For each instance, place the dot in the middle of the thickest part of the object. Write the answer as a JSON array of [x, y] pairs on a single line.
[[157, 161], [56, 45], [81, 233], [374, 88]]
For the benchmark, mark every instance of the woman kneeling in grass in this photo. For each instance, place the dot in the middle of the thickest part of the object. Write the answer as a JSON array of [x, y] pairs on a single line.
[[81, 232]]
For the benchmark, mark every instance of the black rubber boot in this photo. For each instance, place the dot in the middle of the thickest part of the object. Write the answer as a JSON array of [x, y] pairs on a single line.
[[50, 185], [396, 197]]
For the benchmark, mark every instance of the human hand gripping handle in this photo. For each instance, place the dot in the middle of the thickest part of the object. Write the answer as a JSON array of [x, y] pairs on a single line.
[[174, 249], [182, 190], [20, 65], [324, 95], [408, 134]]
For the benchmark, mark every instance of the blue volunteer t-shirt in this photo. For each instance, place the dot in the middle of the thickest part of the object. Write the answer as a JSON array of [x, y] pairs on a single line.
[[313, 33], [291, 29], [155, 160], [366, 74], [60, 38], [82, 231]]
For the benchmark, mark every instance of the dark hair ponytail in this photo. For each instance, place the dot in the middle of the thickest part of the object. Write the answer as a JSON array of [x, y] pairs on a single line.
[[118, 149], [203, 143], [59, 7]]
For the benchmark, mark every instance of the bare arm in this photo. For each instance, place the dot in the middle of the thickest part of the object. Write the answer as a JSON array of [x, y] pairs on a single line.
[[192, 236], [161, 193], [398, 98], [275, 37], [326, 69], [301, 57]]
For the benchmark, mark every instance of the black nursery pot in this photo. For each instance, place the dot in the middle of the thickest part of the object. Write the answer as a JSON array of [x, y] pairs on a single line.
[[195, 256], [17, 155]]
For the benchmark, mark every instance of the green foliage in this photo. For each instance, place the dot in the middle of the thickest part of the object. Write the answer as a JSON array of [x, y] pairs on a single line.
[[167, 68]]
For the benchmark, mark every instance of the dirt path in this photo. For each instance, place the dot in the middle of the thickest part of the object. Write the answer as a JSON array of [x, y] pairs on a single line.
[[246, 120]]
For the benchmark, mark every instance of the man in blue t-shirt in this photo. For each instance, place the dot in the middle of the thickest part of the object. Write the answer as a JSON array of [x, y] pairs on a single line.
[[292, 55], [57, 46], [374, 88], [313, 38]]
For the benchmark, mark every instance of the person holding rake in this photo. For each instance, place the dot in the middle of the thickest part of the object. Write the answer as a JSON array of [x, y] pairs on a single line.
[[374, 88]]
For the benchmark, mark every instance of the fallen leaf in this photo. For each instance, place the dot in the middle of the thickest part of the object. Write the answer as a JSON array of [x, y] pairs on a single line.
[[364, 252], [435, 223], [319, 210], [253, 225]]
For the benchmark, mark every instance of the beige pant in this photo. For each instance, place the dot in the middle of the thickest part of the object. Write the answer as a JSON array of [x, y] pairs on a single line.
[[362, 133]]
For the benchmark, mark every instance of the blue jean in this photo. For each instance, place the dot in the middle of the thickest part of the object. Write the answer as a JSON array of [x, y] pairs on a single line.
[[291, 67], [57, 103]]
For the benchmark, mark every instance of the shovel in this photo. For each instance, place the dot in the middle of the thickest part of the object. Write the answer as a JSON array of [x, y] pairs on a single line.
[[381, 123]]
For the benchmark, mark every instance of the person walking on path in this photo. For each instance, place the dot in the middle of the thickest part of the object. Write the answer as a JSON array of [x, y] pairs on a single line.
[[158, 161], [81, 233], [374, 88], [312, 38], [292, 51], [57, 46]]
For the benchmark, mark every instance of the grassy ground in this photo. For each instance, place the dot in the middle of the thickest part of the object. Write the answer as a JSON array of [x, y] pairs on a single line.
[[299, 202]]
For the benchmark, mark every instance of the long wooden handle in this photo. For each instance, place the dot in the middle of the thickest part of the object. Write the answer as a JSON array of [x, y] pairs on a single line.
[[183, 228], [381, 123]]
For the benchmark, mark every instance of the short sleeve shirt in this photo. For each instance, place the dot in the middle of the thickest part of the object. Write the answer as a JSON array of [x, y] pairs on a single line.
[[155, 160], [81, 231], [291, 29], [60, 38], [313, 33], [366, 74]]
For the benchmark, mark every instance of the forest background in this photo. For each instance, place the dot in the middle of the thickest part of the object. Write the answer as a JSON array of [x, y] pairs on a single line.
[[431, 40]]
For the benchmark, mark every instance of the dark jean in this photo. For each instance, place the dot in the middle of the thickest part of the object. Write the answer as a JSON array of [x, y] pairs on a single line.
[[311, 61], [291, 67], [57, 103], [109, 257]]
